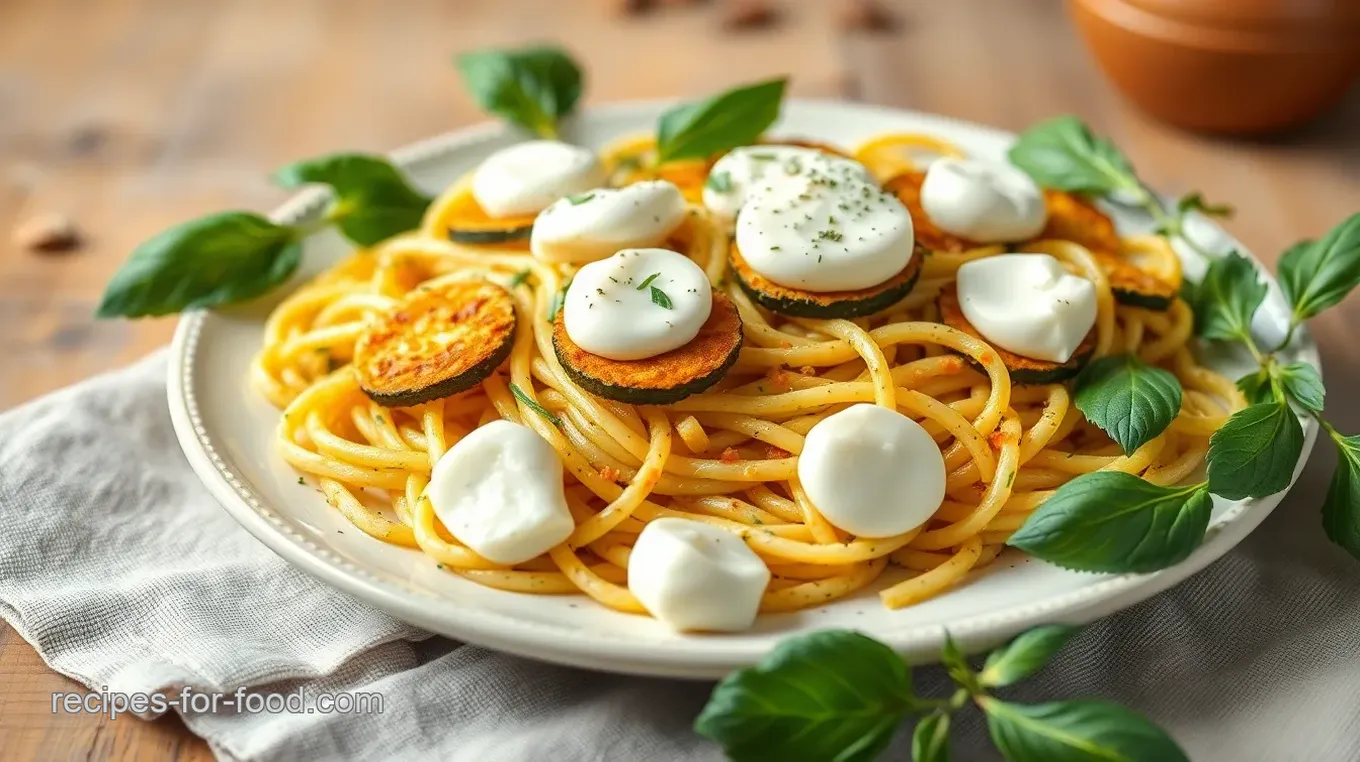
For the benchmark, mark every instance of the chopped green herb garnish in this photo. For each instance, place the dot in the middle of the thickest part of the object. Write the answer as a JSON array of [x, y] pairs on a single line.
[[528, 402], [648, 282], [830, 235], [660, 299], [720, 182], [520, 278], [580, 198]]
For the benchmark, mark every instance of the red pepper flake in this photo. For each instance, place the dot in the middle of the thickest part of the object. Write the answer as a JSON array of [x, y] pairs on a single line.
[[609, 473], [730, 455], [954, 365], [996, 439], [986, 358], [779, 378]]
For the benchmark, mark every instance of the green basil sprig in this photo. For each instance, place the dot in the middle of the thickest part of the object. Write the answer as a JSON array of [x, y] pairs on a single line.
[[1063, 153], [534, 87], [727, 120], [1131, 400], [236, 256], [840, 695], [1112, 522]]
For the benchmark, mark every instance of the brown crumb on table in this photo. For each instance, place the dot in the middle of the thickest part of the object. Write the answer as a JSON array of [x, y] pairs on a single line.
[[866, 15], [48, 231], [749, 14]]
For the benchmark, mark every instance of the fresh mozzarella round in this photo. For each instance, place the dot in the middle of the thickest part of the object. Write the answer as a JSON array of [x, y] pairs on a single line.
[[982, 201], [825, 230], [594, 225], [637, 304], [750, 170], [1027, 304], [526, 177], [499, 491], [871, 471], [695, 576]]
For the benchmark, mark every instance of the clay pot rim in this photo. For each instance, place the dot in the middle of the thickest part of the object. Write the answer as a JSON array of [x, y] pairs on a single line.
[[1263, 37]]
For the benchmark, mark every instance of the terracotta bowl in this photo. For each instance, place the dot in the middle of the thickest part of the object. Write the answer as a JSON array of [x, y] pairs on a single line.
[[1226, 66]]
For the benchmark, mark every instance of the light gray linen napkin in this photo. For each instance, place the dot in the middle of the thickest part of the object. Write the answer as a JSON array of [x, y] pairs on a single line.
[[126, 576]]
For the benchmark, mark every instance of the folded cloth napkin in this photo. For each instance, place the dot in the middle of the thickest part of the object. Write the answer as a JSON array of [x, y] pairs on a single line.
[[126, 576]]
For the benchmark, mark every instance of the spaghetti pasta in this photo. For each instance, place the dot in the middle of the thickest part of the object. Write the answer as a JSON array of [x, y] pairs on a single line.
[[728, 456]]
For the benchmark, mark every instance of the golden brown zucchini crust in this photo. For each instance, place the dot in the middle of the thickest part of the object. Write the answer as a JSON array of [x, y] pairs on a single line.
[[437, 342], [1023, 370], [829, 304], [663, 379]]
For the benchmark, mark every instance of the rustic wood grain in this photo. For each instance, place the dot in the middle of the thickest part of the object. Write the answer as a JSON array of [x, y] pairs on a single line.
[[130, 115]]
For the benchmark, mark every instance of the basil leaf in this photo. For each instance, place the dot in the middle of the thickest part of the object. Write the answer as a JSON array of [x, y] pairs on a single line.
[[1258, 387], [734, 118], [1255, 452], [833, 694], [1304, 385], [1025, 655], [1062, 153], [1131, 400], [373, 201], [1316, 276], [1341, 509], [1076, 731], [532, 87], [1226, 299], [955, 663], [930, 740], [1110, 521], [214, 260]]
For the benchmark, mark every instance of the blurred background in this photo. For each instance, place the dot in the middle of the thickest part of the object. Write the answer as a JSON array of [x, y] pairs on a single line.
[[121, 117], [125, 116]]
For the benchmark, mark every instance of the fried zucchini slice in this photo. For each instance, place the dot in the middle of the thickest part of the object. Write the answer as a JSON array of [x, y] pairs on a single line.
[[437, 342], [828, 304], [907, 187], [1023, 370], [1073, 218], [663, 379], [468, 222]]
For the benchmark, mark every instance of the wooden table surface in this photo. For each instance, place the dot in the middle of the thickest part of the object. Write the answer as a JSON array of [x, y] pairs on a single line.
[[131, 115]]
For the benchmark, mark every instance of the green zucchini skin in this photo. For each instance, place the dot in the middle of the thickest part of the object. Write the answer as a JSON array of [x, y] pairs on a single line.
[[826, 306], [397, 361], [483, 237], [663, 379], [1149, 301], [450, 386], [631, 396]]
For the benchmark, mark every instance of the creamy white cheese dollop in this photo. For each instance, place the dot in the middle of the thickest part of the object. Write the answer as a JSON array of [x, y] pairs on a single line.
[[499, 491], [871, 471], [593, 225], [636, 304], [987, 202], [751, 170], [695, 576], [825, 229], [526, 177], [1027, 304]]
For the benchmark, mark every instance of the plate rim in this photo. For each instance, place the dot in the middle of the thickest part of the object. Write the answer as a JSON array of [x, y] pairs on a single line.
[[694, 657]]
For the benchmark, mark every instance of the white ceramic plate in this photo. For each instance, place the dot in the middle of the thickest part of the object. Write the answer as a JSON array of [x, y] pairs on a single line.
[[227, 433]]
